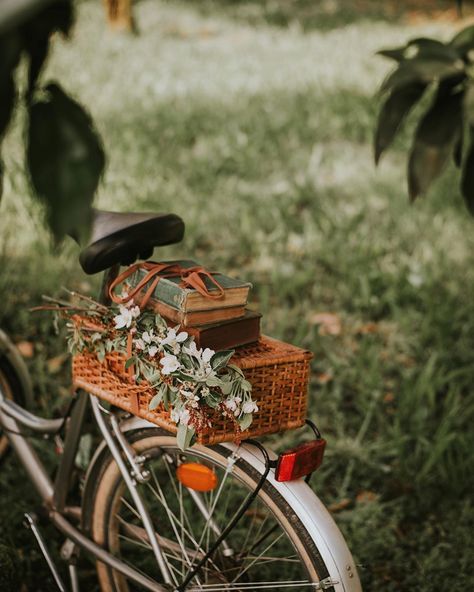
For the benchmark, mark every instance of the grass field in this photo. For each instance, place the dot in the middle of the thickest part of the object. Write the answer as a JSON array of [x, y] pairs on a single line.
[[257, 131]]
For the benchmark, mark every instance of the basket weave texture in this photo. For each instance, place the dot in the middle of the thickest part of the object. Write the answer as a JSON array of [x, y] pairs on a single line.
[[278, 372]]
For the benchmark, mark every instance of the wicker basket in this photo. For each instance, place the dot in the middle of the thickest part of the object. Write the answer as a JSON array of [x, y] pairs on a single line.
[[278, 373]]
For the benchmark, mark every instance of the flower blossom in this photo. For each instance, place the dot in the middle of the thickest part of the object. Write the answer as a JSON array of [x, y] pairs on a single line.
[[126, 316], [180, 416], [170, 363], [249, 407], [233, 404], [173, 339]]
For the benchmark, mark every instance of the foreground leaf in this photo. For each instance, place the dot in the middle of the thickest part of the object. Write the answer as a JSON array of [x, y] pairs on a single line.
[[392, 114], [184, 436], [433, 143], [467, 180], [65, 160]]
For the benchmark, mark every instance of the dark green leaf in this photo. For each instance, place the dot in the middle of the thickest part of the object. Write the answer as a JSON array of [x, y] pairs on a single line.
[[421, 70], [65, 159], [56, 17], [10, 51], [464, 40], [220, 359], [245, 421], [458, 148], [434, 140], [130, 362], [422, 47], [467, 181], [468, 104], [392, 114]]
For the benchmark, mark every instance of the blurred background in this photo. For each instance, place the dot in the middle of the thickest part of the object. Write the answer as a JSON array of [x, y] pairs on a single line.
[[253, 120]]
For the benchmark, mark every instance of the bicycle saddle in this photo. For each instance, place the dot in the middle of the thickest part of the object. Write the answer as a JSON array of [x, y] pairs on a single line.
[[122, 238]]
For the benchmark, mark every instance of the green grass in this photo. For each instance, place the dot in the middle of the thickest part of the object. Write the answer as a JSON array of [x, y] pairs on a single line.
[[259, 136]]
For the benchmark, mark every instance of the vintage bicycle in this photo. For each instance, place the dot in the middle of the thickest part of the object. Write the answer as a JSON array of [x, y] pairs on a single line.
[[145, 529]]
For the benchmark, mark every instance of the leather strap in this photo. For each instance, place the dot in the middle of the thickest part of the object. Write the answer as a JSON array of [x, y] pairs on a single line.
[[191, 277]]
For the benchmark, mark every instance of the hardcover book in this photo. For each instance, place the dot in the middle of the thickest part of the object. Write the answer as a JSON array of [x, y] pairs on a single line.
[[169, 292], [195, 318], [228, 334]]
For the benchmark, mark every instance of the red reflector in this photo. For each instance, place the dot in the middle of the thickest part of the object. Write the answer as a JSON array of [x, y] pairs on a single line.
[[300, 461]]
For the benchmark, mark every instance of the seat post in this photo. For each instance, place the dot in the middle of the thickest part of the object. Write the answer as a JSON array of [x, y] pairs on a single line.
[[108, 277]]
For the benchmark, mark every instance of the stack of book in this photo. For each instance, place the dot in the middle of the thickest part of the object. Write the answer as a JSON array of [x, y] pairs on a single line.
[[223, 323]]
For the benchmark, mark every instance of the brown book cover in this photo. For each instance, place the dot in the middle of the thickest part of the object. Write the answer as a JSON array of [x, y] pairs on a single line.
[[197, 318], [228, 334]]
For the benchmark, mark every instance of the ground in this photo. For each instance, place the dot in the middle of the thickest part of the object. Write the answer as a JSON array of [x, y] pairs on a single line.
[[257, 130]]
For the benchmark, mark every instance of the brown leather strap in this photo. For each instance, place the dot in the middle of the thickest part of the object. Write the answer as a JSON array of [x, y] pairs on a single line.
[[191, 277]]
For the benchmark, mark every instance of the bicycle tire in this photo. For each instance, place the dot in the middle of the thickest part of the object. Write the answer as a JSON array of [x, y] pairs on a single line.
[[12, 388], [105, 505]]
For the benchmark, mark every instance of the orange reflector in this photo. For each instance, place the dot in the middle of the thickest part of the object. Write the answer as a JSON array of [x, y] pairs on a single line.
[[196, 476]]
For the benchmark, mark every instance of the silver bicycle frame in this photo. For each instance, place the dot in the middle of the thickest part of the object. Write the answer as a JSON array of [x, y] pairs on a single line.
[[14, 419], [17, 422]]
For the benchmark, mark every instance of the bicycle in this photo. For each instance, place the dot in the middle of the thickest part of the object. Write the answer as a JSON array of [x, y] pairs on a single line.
[[141, 525]]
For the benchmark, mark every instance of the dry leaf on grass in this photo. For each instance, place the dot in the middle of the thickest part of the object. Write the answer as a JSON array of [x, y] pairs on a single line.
[[26, 348], [364, 497], [329, 323], [340, 505], [55, 364]]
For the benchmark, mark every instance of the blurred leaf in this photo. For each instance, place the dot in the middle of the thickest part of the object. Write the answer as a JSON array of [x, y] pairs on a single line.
[[467, 180], [65, 159], [422, 47], [422, 70], [392, 114], [184, 436], [433, 143], [464, 40], [10, 51], [56, 17], [468, 104], [458, 149]]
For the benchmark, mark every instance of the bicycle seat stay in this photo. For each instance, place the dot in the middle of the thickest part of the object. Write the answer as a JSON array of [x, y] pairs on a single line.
[[122, 238]]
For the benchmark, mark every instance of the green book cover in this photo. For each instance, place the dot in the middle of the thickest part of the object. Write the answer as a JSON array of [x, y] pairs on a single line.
[[170, 292]]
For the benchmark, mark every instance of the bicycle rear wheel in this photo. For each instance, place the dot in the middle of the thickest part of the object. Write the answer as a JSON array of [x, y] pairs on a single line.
[[269, 549]]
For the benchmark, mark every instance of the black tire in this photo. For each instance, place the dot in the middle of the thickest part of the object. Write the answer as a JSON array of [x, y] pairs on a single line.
[[108, 515], [12, 388]]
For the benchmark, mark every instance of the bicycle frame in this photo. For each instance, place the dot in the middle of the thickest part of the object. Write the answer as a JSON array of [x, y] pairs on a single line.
[[15, 419]]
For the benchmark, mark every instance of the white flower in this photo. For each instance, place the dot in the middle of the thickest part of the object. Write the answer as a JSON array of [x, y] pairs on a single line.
[[233, 404], [170, 363], [180, 416], [192, 350], [139, 344], [207, 355], [152, 351], [148, 337], [249, 407], [174, 339], [126, 316]]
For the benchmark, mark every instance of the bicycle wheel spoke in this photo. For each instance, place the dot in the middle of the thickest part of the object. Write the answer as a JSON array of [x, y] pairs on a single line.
[[257, 558]]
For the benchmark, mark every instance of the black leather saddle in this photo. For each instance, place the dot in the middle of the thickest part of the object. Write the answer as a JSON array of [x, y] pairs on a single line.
[[117, 238]]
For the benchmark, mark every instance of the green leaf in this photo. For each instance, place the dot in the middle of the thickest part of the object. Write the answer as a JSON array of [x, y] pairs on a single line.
[[10, 51], [464, 40], [37, 32], [214, 381], [245, 421], [392, 114], [221, 359], [130, 362], [467, 180], [236, 369], [421, 70], [65, 159], [468, 104], [434, 140], [158, 398], [184, 436], [421, 47]]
